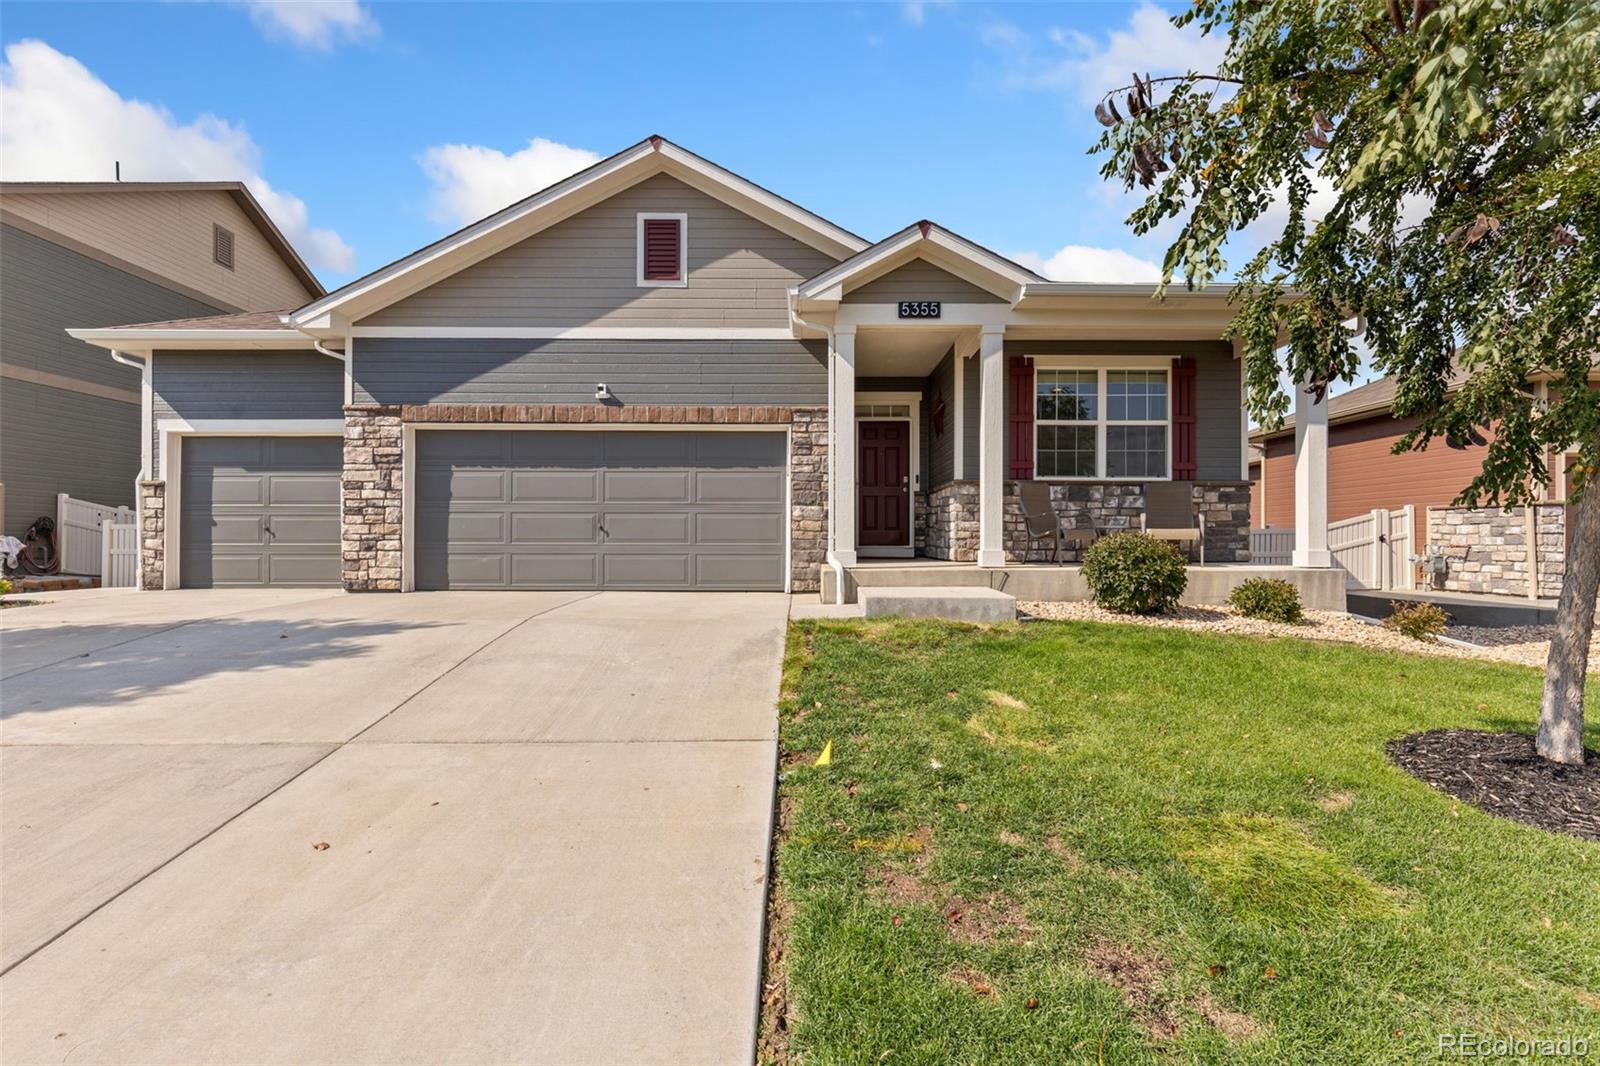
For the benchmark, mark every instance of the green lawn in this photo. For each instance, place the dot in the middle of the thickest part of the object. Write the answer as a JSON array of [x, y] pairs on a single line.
[[1076, 842]]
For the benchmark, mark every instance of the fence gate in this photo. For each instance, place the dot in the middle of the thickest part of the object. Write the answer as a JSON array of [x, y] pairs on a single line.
[[78, 535], [1374, 549], [1271, 546], [119, 555]]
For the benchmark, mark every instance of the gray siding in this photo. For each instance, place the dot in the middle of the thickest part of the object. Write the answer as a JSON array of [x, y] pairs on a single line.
[[1218, 429], [972, 402], [941, 446], [584, 271], [58, 440], [473, 370], [55, 441], [243, 385], [920, 280]]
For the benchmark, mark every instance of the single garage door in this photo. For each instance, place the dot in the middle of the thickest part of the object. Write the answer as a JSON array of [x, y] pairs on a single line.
[[570, 509], [259, 511]]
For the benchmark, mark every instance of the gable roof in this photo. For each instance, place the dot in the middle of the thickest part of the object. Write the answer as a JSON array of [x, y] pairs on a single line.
[[1373, 398], [528, 216], [237, 189], [927, 240], [252, 329]]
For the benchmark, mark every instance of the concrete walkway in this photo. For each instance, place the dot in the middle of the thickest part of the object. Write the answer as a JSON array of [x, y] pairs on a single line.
[[546, 818]]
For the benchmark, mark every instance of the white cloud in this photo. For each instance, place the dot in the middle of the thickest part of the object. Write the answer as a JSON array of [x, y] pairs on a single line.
[[58, 122], [1089, 66], [316, 24], [1080, 262], [471, 181], [915, 12]]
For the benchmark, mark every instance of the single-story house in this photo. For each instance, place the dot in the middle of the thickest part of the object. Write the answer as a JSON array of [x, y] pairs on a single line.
[[656, 374]]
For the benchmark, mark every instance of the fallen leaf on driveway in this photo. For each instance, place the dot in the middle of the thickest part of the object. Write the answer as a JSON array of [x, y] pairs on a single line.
[[321, 845]]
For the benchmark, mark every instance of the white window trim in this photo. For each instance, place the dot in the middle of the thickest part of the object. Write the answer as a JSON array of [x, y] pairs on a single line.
[[1101, 366], [682, 219]]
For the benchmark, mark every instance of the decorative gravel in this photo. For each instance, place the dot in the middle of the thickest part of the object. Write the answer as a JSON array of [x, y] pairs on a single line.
[[1501, 774], [1527, 645]]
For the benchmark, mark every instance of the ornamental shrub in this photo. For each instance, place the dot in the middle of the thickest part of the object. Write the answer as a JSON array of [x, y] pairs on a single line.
[[1269, 598], [1134, 573], [5, 586], [1419, 621]]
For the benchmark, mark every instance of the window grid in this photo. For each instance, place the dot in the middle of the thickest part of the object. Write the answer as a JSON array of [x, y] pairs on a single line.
[[1102, 424]]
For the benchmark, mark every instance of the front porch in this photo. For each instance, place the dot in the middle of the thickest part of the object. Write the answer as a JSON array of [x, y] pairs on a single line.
[[1209, 585]]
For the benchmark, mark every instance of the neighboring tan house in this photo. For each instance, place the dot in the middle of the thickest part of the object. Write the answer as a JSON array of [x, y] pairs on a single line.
[[656, 374], [97, 254], [1364, 473]]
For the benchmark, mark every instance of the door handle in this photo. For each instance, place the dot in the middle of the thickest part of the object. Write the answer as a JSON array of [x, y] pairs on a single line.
[[267, 526]]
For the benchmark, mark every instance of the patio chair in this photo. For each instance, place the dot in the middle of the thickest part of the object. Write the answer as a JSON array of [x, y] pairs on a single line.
[[1170, 515], [1044, 525]]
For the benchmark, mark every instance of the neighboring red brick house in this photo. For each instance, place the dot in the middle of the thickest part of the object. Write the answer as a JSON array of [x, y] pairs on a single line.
[[1363, 471]]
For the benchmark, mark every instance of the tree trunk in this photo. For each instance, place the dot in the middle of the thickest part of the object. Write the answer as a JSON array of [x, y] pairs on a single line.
[[1560, 736]]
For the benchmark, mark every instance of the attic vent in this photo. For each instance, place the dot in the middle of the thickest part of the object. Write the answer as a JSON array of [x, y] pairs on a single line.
[[661, 249], [222, 246]]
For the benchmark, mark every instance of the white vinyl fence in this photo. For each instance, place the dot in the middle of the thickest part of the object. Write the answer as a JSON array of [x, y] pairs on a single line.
[[119, 558], [78, 534], [1272, 547], [1374, 550]]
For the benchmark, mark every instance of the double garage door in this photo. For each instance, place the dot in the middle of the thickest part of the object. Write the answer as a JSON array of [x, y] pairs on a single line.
[[601, 509], [259, 511]]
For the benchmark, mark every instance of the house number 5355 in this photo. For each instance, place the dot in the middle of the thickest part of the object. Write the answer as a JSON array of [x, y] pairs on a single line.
[[919, 308]]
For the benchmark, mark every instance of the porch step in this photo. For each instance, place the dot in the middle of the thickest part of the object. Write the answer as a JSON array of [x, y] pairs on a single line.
[[955, 603]]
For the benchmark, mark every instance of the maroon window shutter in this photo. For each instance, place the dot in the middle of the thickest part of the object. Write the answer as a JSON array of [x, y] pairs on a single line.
[[1185, 460], [663, 249], [1021, 442]]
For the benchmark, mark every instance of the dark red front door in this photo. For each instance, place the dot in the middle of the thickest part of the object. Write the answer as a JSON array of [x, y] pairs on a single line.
[[884, 476]]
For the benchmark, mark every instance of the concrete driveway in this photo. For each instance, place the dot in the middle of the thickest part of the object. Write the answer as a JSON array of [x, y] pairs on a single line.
[[546, 818]]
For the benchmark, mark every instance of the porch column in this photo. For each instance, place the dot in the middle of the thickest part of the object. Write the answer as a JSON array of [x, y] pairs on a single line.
[[842, 410], [991, 449], [1310, 480]]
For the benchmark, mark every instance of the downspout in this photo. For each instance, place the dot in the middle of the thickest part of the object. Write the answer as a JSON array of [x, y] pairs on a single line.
[[329, 352], [146, 449], [832, 560]]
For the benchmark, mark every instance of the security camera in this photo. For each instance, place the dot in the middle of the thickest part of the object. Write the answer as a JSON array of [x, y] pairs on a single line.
[[601, 392]]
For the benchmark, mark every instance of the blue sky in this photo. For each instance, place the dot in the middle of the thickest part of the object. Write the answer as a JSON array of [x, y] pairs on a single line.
[[341, 114]]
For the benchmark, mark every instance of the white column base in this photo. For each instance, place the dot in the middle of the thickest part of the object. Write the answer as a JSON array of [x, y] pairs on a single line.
[[1312, 558], [991, 558], [845, 557]]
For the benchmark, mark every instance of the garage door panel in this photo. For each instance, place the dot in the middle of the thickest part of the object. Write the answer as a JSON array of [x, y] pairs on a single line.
[[642, 509], [318, 569], [224, 530], [469, 527], [555, 527], [290, 530], [235, 489], [738, 486], [647, 486], [737, 571], [289, 490], [644, 527], [556, 570], [655, 571], [555, 486], [482, 449], [721, 527]]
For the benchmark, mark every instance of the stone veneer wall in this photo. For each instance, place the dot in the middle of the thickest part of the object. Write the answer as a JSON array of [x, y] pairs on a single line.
[[152, 535], [1487, 548], [372, 498], [953, 516], [373, 523]]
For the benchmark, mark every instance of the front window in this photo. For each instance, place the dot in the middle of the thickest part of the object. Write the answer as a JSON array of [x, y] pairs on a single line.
[[1101, 423]]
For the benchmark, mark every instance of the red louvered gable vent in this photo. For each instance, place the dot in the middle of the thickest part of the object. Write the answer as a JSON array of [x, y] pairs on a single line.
[[663, 249], [1185, 423]]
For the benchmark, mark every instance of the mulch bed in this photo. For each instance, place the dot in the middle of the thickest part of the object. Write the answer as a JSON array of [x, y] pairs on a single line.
[[1500, 774]]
